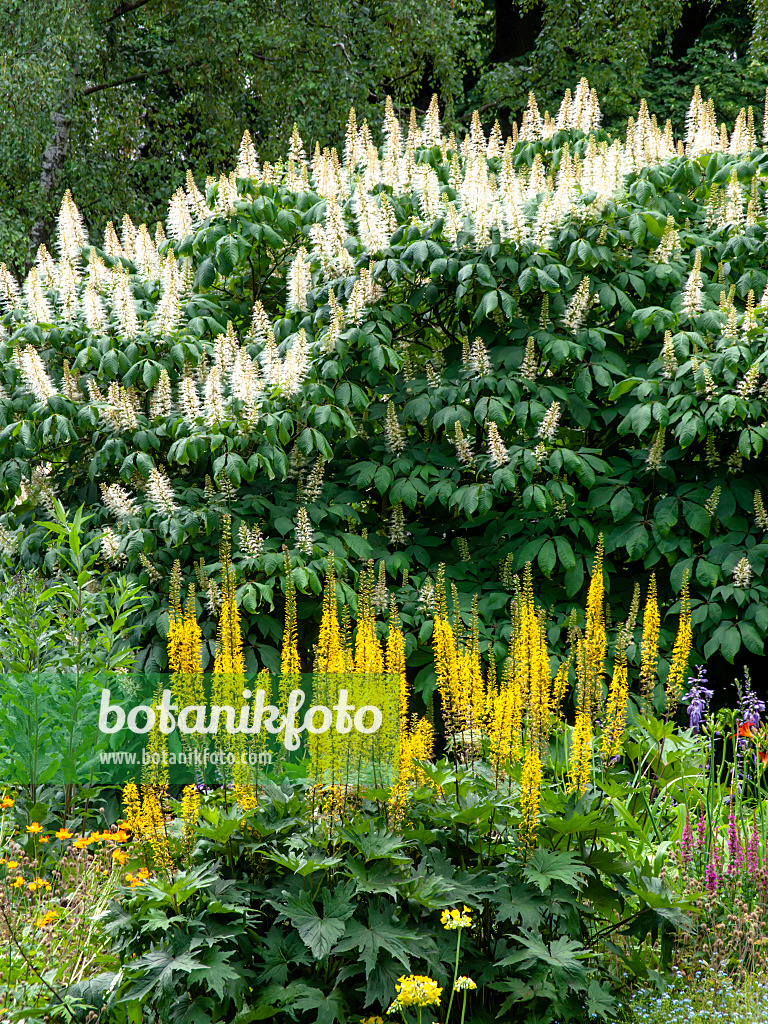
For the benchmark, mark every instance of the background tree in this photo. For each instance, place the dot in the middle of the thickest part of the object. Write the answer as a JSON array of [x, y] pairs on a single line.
[[115, 97]]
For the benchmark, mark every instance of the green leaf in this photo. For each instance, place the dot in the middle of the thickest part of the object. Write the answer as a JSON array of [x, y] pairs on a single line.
[[565, 553], [621, 504], [319, 934], [547, 557], [383, 932], [206, 274], [751, 638], [546, 866], [697, 517], [623, 387], [730, 643], [488, 303]]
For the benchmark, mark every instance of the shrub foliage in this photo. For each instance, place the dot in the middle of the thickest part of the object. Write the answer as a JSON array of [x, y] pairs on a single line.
[[483, 353]]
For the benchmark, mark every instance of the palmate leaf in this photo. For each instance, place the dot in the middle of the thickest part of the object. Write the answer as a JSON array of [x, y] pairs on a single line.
[[330, 1008], [216, 972], [377, 877], [280, 951], [318, 933], [547, 865], [159, 972], [600, 1002], [380, 989], [519, 901], [383, 932], [373, 843], [564, 955]]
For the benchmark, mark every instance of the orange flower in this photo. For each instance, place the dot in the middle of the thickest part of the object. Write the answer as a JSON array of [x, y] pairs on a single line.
[[45, 839], [745, 730], [6, 802], [95, 837], [12, 864], [18, 881], [82, 843], [119, 837], [763, 755], [120, 856], [43, 922], [63, 834], [35, 828]]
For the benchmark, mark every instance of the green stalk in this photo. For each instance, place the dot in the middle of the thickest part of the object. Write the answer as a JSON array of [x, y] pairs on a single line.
[[455, 974], [464, 1006]]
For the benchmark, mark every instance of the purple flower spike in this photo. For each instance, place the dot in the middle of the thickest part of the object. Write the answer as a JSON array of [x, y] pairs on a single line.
[[698, 697]]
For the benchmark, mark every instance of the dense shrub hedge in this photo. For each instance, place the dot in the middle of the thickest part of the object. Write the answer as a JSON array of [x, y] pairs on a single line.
[[480, 353]]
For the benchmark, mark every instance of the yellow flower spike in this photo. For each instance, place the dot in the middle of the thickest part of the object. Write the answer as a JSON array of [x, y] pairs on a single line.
[[289, 656], [330, 645], [681, 652], [580, 762], [592, 647], [650, 645], [530, 797]]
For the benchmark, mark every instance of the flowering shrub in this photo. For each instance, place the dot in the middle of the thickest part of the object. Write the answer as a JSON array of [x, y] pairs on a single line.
[[481, 352]]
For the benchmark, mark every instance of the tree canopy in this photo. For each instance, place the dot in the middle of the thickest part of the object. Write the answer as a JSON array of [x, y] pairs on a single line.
[[117, 99]]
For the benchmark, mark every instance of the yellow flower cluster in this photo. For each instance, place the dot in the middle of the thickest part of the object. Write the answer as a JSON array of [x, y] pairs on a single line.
[[464, 984], [459, 676], [618, 692], [141, 876], [580, 762], [453, 919], [190, 812], [290, 664], [650, 646], [415, 990], [358, 669], [681, 652], [184, 644], [592, 647], [530, 798], [416, 744], [145, 818], [39, 883], [331, 656]]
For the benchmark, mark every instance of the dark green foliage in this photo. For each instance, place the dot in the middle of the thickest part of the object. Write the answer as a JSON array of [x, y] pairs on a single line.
[[552, 500], [292, 914]]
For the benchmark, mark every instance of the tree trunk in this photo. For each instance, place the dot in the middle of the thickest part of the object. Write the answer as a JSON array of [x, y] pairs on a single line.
[[53, 160]]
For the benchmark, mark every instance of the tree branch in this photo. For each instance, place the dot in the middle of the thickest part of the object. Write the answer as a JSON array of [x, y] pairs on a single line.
[[125, 81], [126, 7]]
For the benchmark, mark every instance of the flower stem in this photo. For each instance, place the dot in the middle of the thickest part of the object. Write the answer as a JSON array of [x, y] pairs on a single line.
[[455, 974]]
